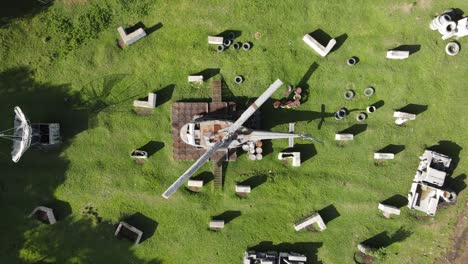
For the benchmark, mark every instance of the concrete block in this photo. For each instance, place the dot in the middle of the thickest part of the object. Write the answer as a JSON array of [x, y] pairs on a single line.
[[397, 54], [388, 210], [295, 156], [45, 214], [195, 78], [216, 225], [344, 136], [319, 48], [130, 232], [242, 189], [195, 183], [384, 155]]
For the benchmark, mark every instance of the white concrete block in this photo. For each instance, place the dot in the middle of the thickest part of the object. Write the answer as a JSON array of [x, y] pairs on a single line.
[[319, 48], [295, 156], [315, 218], [195, 78], [344, 136], [194, 183], [131, 38], [397, 54], [48, 211], [242, 189], [404, 115], [216, 224], [388, 210], [384, 155], [215, 40]]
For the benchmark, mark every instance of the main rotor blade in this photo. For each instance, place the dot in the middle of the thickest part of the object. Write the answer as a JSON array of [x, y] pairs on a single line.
[[252, 108], [188, 173]]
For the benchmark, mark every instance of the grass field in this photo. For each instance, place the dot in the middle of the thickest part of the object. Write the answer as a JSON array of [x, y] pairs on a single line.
[[62, 64]]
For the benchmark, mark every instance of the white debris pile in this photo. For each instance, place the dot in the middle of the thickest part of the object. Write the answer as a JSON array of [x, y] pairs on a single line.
[[427, 187], [448, 25], [252, 257]]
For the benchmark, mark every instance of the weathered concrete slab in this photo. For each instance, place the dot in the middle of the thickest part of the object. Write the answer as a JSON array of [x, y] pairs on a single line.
[[319, 48], [315, 218]]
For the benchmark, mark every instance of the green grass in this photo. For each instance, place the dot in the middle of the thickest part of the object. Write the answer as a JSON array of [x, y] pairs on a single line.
[[43, 61]]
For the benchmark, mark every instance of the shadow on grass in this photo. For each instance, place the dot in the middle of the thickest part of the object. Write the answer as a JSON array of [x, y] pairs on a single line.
[[147, 225], [226, 34], [254, 181], [152, 147], [33, 181], [206, 177], [457, 184], [303, 83], [450, 149], [396, 200], [307, 151], [148, 30], [227, 216], [309, 249], [383, 240], [354, 129], [329, 213], [164, 95], [379, 104], [208, 73], [411, 48], [413, 109], [10, 10]]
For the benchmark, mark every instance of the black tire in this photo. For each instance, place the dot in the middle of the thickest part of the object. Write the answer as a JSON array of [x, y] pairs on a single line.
[[369, 91], [220, 48], [246, 46], [361, 117], [349, 94]]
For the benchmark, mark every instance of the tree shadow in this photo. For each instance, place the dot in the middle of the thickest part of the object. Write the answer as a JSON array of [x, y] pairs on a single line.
[[227, 216], [41, 173], [354, 129], [396, 200], [329, 213], [450, 149], [205, 176], [61, 209], [303, 83], [152, 147], [165, 94], [226, 34], [148, 30], [413, 109], [411, 48], [383, 240], [322, 117], [21, 9], [254, 181], [208, 74], [308, 249], [395, 149], [147, 225]]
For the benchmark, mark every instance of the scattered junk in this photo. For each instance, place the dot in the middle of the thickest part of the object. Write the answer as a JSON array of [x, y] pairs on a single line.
[[44, 214], [371, 109], [384, 156], [195, 78], [286, 101], [369, 91], [449, 24], [360, 117], [150, 103], [242, 190], [349, 94], [311, 220], [388, 210], [254, 150], [125, 230], [140, 156], [427, 187], [272, 257], [402, 117], [319, 48], [351, 61], [131, 38], [215, 40], [398, 54], [452, 48], [216, 225], [342, 113], [195, 185], [294, 156], [344, 137], [24, 134], [239, 79], [213, 135]]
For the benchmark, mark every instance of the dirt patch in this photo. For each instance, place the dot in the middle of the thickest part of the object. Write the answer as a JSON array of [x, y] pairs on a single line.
[[425, 4], [459, 252]]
